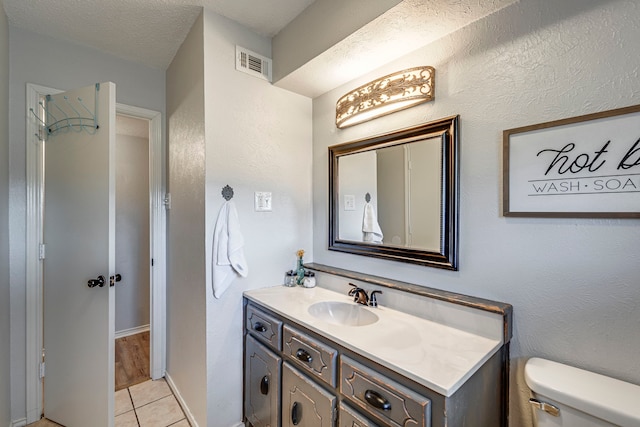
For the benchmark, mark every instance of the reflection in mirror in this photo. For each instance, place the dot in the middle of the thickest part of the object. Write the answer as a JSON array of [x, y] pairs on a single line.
[[395, 195], [404, 184]]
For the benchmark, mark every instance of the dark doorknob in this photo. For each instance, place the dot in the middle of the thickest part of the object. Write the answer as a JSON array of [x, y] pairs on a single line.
[[99, 281], [114, 279]]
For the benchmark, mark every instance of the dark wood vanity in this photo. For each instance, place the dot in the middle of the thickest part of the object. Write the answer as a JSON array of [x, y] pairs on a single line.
[[297, 375]]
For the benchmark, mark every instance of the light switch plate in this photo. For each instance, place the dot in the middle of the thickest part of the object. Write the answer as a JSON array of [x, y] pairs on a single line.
[[262, 201], [349, 202]]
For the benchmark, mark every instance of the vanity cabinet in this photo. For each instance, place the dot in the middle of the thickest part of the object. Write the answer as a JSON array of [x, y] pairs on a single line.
[[261, 384], [263, 368], [311, 355], [315, 381], [264, 327], [350, 418], [304, 402], [382, 397]]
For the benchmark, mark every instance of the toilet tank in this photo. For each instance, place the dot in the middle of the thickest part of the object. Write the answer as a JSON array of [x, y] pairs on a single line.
[[584, 399]]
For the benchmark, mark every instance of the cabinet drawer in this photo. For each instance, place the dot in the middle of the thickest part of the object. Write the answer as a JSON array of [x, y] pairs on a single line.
[[305, 403], [261, 385], [264, 327], [382, 397], [310, 354], [350, 418]]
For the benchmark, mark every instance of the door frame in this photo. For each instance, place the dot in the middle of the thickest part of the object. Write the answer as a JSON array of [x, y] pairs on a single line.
[[34, 236]]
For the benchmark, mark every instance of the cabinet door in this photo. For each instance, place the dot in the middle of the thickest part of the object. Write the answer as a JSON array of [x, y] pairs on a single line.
[[261, 385], [305, 403], [351, 418]]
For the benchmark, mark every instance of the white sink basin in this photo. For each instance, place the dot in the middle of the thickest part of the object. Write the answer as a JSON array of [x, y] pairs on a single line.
[[342, 313]]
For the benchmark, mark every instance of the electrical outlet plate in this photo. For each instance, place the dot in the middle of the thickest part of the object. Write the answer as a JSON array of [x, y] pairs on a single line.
[[262, 201]]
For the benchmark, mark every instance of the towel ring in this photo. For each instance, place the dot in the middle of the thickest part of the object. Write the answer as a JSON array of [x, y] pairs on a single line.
[[227, 193], [367, 197]]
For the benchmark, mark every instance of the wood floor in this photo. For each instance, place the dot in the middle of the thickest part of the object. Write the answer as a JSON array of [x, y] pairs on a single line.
[[132, 360]]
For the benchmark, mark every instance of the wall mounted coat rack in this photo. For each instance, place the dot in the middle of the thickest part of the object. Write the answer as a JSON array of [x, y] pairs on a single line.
[[69, 115]]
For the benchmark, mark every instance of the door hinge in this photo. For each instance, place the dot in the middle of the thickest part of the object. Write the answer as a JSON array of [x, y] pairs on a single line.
[[167, 200], [42, 251], [41, 370]]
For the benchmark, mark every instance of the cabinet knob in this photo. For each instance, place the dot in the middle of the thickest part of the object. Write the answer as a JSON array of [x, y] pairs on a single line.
[[264, 385], [296, 413], [374, 399], [304, 356], [259, 327]]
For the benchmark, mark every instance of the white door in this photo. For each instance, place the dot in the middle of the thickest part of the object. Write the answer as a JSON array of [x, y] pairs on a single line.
[[79, 223]]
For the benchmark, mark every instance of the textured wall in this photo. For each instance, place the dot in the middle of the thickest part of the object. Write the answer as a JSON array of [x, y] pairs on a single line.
[[186, 315], [5, 395], [258, 138], [132, 231], [67, 66], [573, 282], [306, 36]]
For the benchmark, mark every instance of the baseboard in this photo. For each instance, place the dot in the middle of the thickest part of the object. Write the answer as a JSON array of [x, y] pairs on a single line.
[[181, 401], [132, 331], [19, 423]]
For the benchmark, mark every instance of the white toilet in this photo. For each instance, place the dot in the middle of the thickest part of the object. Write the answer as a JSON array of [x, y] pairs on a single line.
[[565, 396]]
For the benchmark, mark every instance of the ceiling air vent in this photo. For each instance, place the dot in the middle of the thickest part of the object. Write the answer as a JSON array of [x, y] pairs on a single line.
[[253, 64]]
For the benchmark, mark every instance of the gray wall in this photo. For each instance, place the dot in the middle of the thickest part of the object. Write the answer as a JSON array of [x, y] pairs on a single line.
[[5, 396], [61, 65], [227, 128], [258, 138], [132, 231], [573, 283], [186, 308]]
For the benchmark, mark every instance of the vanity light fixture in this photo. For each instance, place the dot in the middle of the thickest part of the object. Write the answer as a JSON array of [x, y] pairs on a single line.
[[388, 94]]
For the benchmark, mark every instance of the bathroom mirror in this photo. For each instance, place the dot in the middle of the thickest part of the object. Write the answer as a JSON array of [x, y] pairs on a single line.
[[395, 196]]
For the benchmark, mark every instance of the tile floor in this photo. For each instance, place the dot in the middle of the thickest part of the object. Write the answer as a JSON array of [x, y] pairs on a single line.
[[44, 423], [148, 404]]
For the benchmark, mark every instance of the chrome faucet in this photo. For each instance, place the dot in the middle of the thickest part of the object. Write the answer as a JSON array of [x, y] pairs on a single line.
[[359, 295]]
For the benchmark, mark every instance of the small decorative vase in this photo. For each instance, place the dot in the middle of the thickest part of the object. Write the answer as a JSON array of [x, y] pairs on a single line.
[[300, 272], [300, 269]]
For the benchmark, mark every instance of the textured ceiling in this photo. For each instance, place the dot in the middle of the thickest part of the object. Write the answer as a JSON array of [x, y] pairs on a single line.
[[146, 31], [151, 31]]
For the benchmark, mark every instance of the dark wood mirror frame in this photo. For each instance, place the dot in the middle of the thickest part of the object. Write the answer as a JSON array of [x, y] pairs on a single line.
[[447, 256]]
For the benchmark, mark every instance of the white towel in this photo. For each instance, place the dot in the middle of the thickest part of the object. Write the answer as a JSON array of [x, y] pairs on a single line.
[[228, 256], [371, 231]]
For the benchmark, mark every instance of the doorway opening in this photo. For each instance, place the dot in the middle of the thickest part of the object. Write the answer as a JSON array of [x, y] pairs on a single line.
[[155, 262], [132, 299]]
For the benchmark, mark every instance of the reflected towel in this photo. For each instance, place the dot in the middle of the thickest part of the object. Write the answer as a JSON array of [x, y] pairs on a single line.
[[371, 231], [228, 259]]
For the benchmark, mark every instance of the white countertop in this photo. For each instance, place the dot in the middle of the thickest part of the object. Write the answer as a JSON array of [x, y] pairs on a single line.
[[437, 356]]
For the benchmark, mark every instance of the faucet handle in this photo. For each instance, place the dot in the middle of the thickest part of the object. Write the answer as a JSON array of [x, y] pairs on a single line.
[[353, 290], [373, 301]]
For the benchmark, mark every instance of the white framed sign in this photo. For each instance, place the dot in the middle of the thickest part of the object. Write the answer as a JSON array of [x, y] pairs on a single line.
[[581, 167]]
